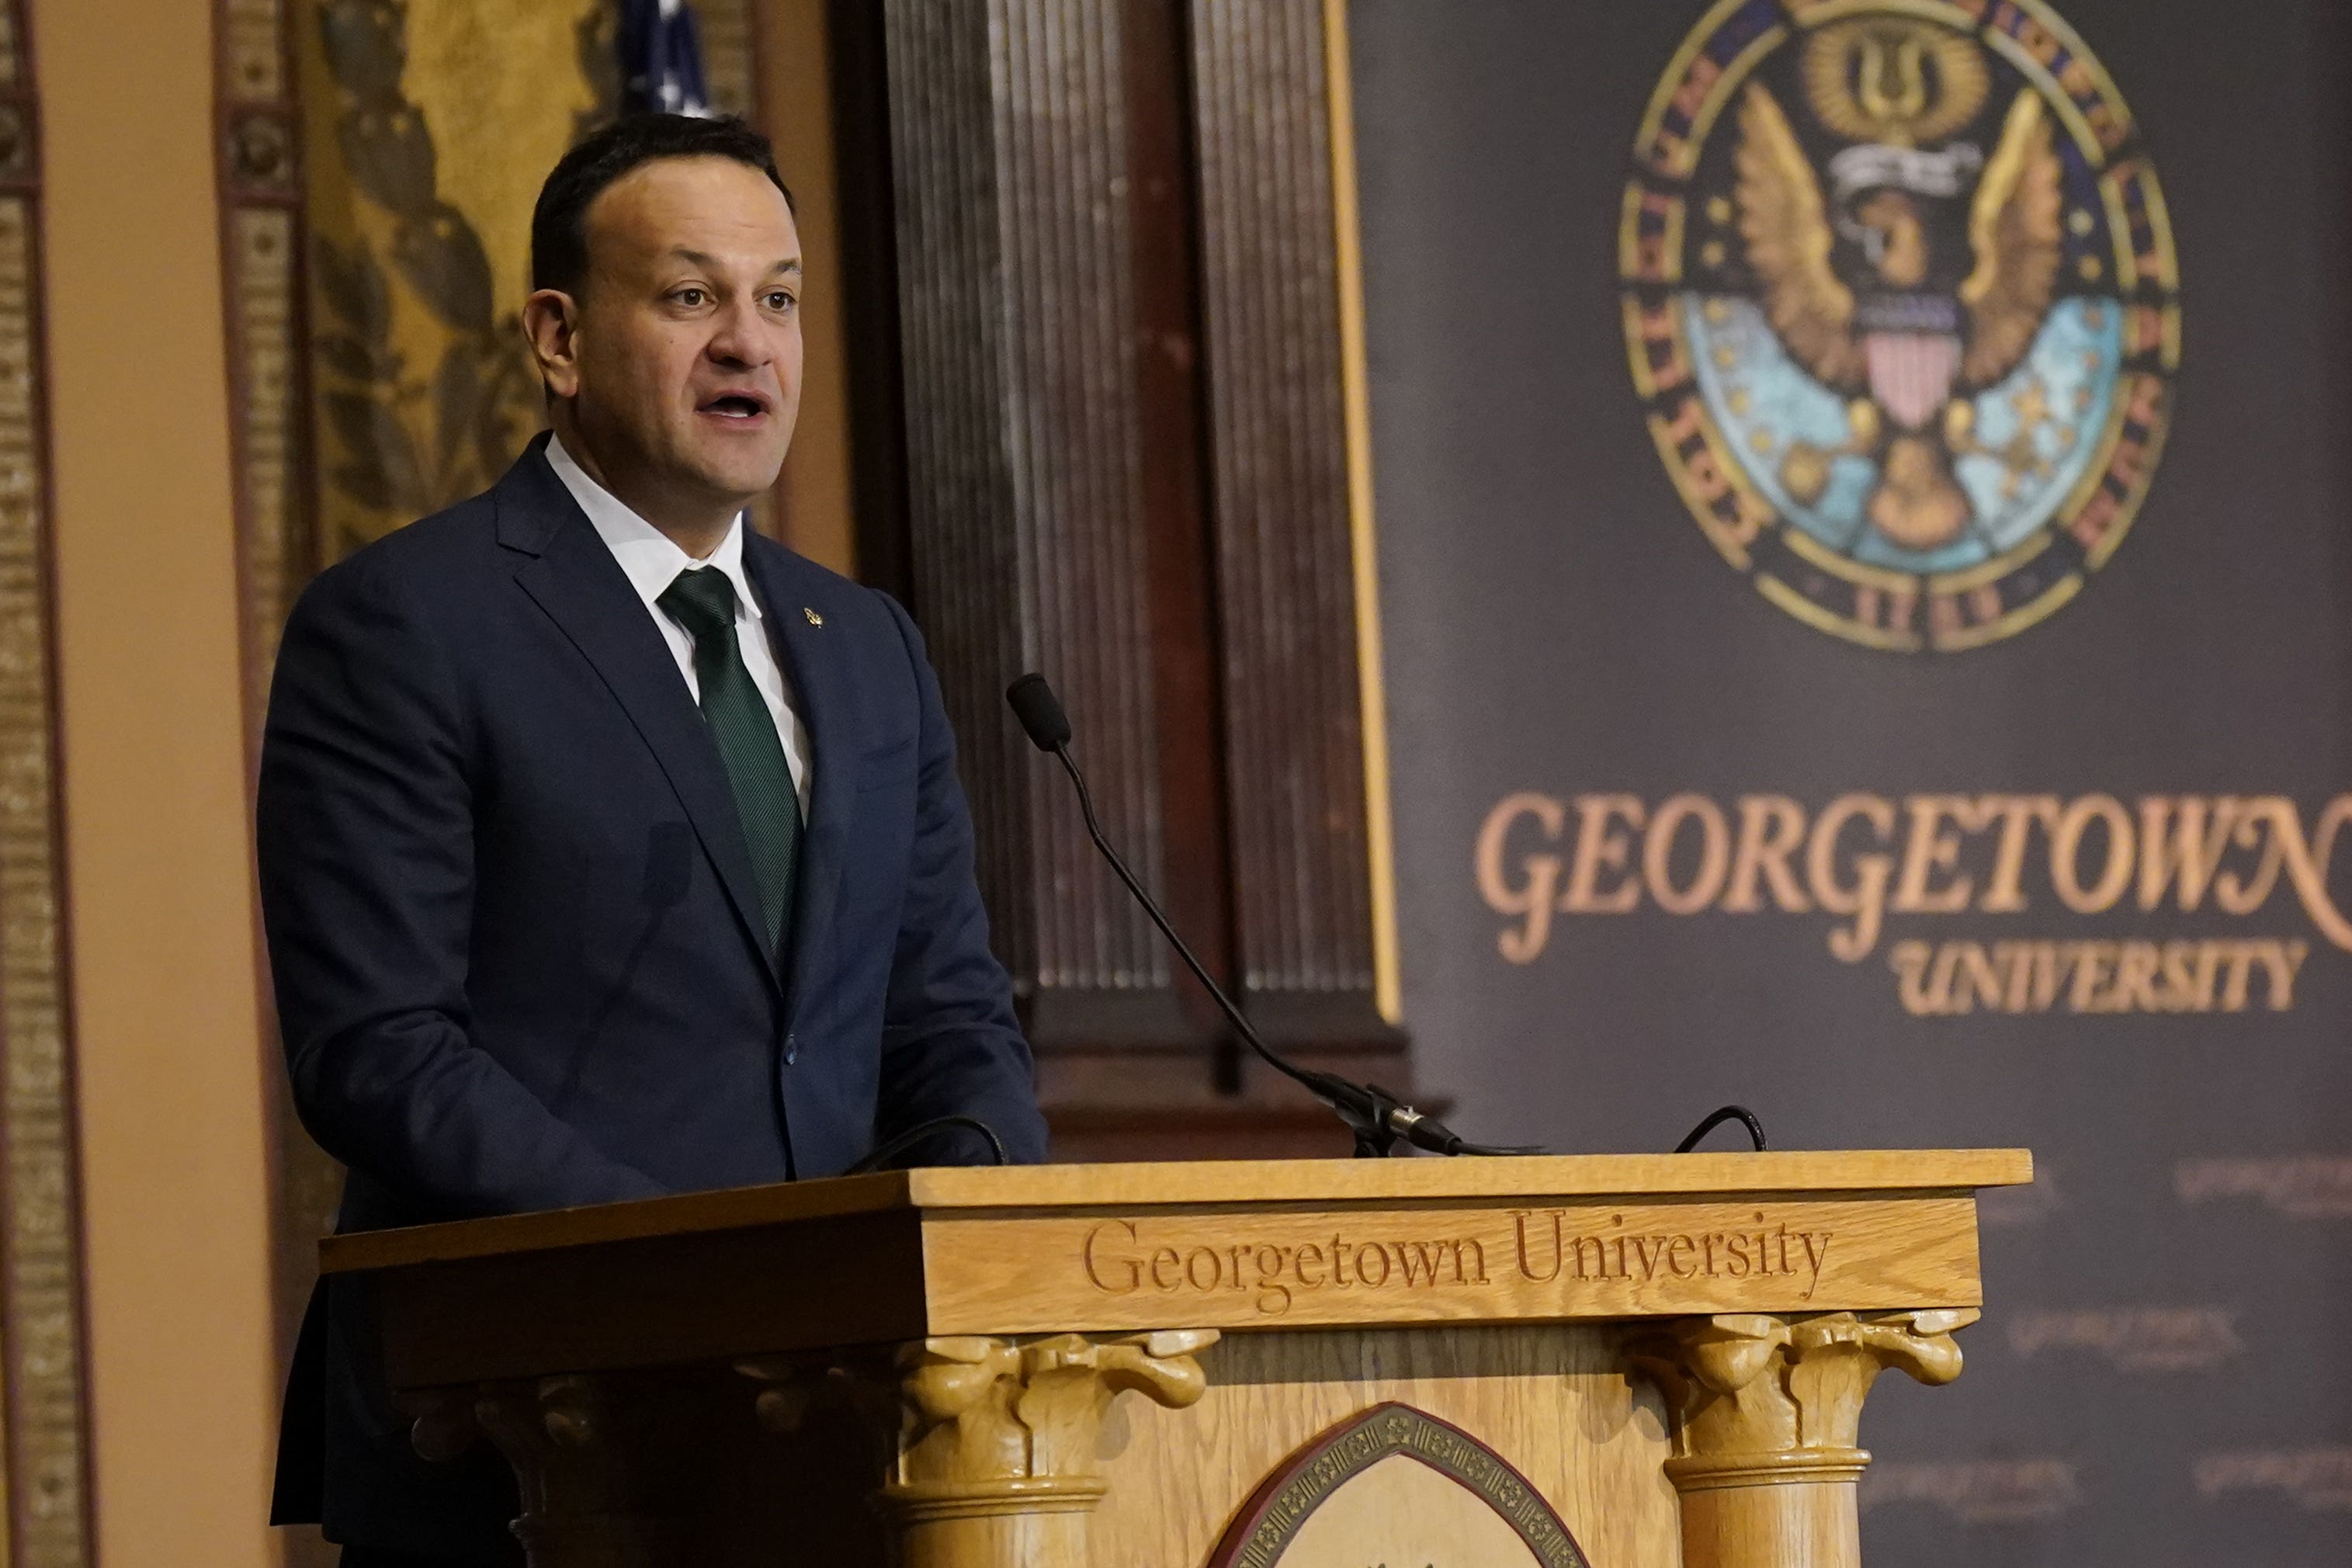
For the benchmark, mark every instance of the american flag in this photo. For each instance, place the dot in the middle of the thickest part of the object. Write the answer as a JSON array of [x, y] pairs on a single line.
[[661, 59], [1911, 373]]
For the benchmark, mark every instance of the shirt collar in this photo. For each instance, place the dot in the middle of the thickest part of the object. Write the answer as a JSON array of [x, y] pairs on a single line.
[[650, 558]]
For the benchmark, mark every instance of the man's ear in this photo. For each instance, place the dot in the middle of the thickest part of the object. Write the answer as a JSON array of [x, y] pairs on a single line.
[[551, 319]]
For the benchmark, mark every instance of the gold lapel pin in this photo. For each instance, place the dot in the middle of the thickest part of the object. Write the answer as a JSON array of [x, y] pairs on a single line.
[[814, 619]]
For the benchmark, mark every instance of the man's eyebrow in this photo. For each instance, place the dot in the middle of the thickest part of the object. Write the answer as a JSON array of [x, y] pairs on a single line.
[[704, 260]]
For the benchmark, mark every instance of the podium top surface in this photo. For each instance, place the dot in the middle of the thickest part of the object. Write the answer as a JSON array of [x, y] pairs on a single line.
[[1272, 1183]]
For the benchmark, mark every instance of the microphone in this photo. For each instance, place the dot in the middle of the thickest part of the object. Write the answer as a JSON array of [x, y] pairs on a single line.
[[1040, 712], [1378, 1117]]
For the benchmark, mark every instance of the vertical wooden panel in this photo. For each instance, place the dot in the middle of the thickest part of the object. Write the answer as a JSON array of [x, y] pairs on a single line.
[[1196, 886], [1024, 471], [169, 1086], [1117, 357], [1270, 292], [46, 1492], [796, 99]]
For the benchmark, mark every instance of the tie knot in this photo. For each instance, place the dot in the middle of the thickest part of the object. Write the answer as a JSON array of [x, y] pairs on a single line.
[[701, 600]]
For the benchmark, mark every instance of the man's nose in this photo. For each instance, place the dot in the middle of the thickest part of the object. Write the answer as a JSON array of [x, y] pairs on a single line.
[[736, 337]]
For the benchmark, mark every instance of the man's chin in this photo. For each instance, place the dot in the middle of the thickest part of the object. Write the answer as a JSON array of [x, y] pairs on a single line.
[[741, 474]]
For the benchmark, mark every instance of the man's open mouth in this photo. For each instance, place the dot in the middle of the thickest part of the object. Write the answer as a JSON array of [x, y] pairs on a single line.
[[736, 406]]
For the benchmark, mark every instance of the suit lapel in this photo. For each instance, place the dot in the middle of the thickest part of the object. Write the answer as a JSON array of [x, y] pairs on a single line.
[[574, 578], [822, 693]]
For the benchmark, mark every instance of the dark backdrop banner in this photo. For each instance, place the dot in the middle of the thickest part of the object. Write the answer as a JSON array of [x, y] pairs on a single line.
[[1861, 495]]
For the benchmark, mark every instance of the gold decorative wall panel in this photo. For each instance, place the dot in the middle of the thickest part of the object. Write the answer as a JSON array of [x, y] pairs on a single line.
[[428, 127]]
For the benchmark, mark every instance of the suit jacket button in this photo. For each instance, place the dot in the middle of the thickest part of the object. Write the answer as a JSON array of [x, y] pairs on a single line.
[[792, 1049]]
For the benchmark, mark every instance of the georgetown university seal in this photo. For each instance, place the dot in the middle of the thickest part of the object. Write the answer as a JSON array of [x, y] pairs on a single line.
[[1900, 297]]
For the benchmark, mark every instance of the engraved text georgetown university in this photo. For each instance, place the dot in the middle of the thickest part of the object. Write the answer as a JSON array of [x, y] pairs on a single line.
[[1122, 1259]]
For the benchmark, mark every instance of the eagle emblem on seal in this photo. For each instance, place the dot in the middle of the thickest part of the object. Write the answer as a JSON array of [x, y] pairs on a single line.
[[1899, 292]]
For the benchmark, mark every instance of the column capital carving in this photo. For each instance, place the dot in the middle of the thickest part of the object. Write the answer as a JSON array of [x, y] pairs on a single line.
[[987, 1425], [597, 1461], [441, 1422], [989, 1417], [1756, 1399], [989, 1445]]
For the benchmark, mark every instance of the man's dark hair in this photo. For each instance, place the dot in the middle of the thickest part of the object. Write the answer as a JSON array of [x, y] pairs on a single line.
[[559, 224]]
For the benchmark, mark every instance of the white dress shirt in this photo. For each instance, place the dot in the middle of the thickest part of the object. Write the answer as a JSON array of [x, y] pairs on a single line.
[[652, 561]]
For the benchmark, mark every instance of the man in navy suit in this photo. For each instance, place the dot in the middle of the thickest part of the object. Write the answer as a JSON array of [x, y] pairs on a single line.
[[607, 848]]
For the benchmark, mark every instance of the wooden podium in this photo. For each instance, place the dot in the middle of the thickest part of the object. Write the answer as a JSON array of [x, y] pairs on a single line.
[[1628, 1361]]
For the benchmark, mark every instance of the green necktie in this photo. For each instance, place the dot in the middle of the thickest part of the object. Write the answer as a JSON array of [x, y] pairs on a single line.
[[703, 601]]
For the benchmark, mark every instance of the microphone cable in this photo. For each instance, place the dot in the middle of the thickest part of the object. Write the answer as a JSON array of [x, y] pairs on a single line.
[[922, 1130], [1739, 1113]]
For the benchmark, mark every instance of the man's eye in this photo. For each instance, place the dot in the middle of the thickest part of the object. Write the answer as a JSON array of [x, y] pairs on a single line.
[[689, 297], [780, 300]]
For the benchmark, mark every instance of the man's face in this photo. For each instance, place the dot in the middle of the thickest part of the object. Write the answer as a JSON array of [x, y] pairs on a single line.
[[684, 369]]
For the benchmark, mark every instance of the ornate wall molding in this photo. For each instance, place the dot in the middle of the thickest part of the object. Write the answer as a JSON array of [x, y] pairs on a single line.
[[257, 150], [259, 160], [42, 1337]]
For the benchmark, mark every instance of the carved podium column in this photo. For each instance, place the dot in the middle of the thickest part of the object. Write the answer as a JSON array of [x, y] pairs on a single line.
[[1766, 1411], [996, 1467], [992, 1454]]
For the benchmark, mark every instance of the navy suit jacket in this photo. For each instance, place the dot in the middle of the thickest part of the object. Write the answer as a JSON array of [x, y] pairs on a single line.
[[518, 947]]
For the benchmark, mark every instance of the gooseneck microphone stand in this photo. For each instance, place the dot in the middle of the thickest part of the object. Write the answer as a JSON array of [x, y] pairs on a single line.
[[1379, 1119]]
